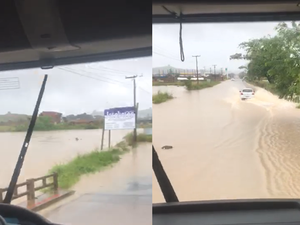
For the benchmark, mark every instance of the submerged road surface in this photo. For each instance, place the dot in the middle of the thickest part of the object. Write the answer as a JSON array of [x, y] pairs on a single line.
[[225, 148], [120, 195]]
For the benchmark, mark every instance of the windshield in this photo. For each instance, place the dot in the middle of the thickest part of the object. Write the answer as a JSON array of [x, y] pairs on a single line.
[[247, 90], [69, 151], [214, 142]]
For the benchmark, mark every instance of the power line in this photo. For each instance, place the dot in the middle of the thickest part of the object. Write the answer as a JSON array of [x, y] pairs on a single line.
[[114, 71], [99, 79], [98, 75], [165, 52], [85, 75], [165, 56]]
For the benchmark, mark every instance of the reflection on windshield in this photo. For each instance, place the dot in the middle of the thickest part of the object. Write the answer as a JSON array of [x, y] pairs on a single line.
[[68, 138], [212, 144]]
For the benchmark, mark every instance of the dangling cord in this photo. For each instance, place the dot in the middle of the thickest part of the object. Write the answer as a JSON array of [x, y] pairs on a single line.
[[180, 40], [180, 31]]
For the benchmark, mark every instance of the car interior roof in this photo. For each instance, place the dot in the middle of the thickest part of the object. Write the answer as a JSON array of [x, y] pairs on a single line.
[[193, 11], [37, 33]]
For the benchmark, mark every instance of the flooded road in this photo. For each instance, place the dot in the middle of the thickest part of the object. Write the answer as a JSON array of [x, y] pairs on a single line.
[[47, 149], [225, 148], [119, 195]]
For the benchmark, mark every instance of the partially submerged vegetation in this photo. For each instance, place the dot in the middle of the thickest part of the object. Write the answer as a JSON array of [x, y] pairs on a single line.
[[140, 138], [44, 124], [274, 61], [161, 97], [190, 85], [69, 173], [178, 83]]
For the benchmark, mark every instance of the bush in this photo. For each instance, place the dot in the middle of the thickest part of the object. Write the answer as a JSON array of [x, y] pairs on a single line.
[[161, 97], [190, 85], [140, 138]]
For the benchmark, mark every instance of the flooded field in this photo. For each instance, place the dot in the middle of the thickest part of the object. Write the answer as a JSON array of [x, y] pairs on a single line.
[[225, 148], [47, 149]]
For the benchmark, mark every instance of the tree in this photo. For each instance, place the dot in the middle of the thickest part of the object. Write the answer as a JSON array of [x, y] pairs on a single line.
[[275, 58], [43, 123]]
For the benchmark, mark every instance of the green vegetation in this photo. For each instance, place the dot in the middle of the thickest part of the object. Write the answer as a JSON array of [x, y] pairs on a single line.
[[69, 173], [44, 123], [276, 59], [140, 138], [161, 97], [178, 83], [198, 86]]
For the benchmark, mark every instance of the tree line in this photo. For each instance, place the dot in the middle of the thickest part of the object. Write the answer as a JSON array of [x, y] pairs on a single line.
[[275, 59]]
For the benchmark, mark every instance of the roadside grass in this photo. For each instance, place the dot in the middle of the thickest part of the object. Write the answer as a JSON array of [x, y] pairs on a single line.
[[69, 173], [161, 97], [191, 86]]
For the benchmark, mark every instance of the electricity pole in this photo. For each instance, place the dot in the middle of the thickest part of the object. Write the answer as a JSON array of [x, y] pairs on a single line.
[[196, 56], [214, 69], [135, 106]]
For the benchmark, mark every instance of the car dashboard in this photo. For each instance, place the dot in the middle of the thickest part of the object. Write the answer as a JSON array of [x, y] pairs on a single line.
[[246, 212]]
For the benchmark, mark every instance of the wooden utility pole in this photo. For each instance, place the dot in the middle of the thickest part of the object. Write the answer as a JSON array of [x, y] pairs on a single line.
[[135, 106], [214, 69], [196, 56]]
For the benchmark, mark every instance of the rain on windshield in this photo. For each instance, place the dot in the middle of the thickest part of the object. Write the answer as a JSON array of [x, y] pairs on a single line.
[[67, 138], [214, 141]]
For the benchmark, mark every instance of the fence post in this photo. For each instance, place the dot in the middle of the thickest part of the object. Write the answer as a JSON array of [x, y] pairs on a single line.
[[55, 183], [30, 193]]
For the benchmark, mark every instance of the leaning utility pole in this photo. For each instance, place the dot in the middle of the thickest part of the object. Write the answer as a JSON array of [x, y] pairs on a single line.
[[196, 56], [135, 106]]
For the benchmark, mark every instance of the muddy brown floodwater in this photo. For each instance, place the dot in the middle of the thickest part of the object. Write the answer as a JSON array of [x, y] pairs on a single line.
[[225, 148], [47, 149]]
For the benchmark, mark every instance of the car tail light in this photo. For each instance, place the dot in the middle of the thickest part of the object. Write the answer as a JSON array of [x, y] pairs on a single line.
[[241, 92], [253, 92]]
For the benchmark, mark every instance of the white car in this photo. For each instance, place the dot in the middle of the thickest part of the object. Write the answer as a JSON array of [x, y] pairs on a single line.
[[232, 79], [247, 93]]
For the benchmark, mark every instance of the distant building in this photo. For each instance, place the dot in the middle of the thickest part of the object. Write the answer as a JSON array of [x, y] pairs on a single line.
[[56, 117]]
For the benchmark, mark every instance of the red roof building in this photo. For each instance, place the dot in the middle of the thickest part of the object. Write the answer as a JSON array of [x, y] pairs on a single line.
[[56, 117]]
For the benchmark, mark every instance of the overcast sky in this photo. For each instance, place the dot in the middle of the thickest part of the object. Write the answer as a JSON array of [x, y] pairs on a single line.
[[215, 42], [80, 88]]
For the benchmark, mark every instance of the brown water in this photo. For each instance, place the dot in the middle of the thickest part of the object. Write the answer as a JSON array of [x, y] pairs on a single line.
[[47, 149], [225, 148], [112, 183]]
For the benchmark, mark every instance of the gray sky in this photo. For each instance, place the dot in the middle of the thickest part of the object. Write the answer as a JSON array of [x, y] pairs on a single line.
[[80, 88], [215, 42]]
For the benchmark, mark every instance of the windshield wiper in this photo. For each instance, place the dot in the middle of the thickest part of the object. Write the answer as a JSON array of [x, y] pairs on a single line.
[[15, 176], [162, 179]]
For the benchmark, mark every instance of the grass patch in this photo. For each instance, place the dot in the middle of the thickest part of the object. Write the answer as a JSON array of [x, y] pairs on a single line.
[[178, 83], [140, 138], [69, 173], [161, 97], [191, 86]]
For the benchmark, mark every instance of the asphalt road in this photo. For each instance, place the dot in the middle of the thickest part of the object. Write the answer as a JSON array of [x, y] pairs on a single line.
[[132, 206], [130, 203]]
